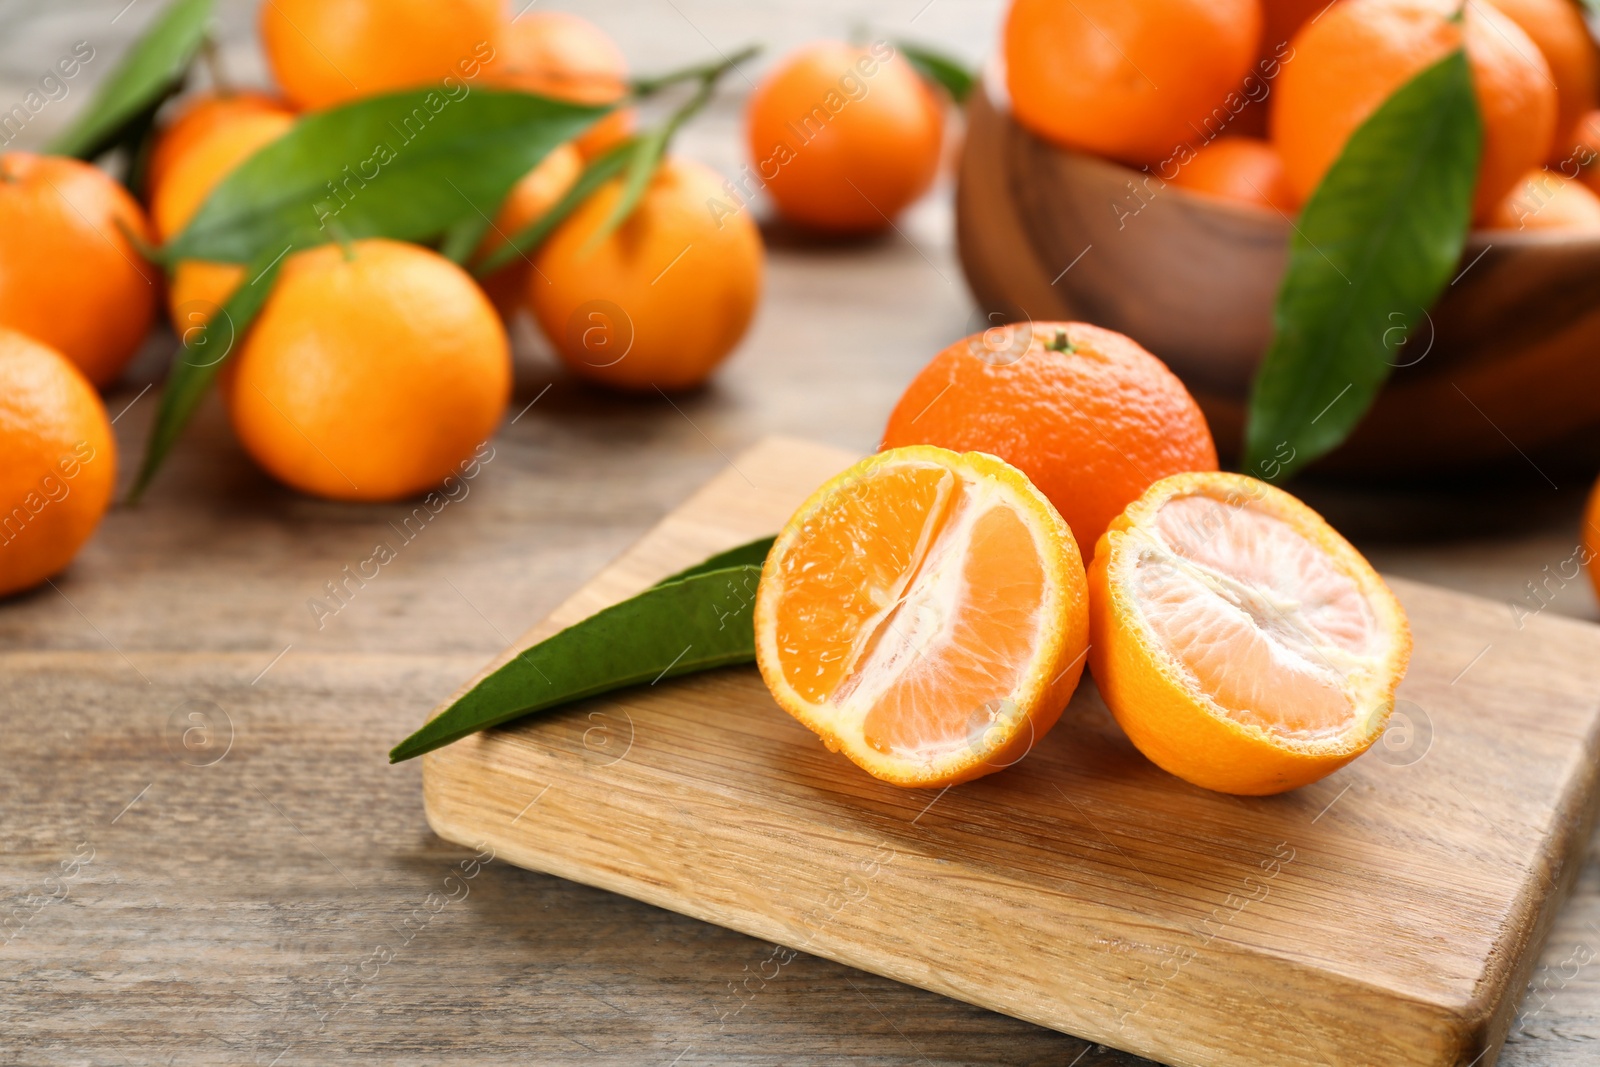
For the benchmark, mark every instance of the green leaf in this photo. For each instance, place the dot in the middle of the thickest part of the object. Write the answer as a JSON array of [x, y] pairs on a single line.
[[600, 170], [942, 70], [463, 238], [752, 554], [407, 166], [195, 367], [643, 159], [692, 624], [1373, 249], [152, 69]]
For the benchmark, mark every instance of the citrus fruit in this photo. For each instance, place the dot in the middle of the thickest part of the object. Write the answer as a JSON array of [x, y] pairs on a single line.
[[69, 275], [1591, 537], [567, 57], [1087, 414], [194, 121], [327, 52], [533, 195], [1545, 200], [1244, 169], [660, 301], [198, 288], [925, 613], [843, 137], [1129, 79], [1241, 643], [1584, 163], [1359, 52], [1558, 29], [371, 371], [60, 466]]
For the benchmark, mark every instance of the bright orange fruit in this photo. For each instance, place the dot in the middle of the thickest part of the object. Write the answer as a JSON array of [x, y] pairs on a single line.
[[1129, 79], [1544, 200], [925, 613], [532, 196], [69, 274], [1241, 643], [567, 57], [844, 138], [1087, 414], [371, 372], [1557, 27], [195, 120], [1243, 169], [60, 461], [327, 52], [1357, 53]]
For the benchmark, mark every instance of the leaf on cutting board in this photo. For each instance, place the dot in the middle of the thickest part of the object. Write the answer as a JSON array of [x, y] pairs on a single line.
[[940, 69], [692, 624], [599, 170], [751, 554], [407, 166], [1375, 246], [153, 68], [204, 347]]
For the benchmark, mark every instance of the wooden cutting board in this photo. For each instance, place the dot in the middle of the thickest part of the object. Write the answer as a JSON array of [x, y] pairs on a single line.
[[1388, 914]]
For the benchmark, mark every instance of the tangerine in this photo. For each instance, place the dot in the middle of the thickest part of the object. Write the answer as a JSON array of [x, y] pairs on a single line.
[[371, 372], [61, 461], [533, 195], [194, 121], [1239, 641], [925, 613], [1243, 169], [1558, 29], [1547, 201], [70, 276], [1359, 52], [660, 301], [844, 138], [1129, 79], [327, 52], [567, 57], [1086, 413]]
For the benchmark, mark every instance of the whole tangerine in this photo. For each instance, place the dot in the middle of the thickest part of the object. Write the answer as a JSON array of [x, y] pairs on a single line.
[[659, 302], [1544, 200], [567, 57], [372, 371], [844, 138], [1359, 52], [61, 461], [1242, 169], [328, 52], [70, 276], [194, 121], [1086, 413], [533, 195], [1129, 79], [1557, 27]]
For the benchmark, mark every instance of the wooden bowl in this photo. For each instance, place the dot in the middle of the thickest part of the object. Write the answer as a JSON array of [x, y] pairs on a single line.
[[1504, 370]]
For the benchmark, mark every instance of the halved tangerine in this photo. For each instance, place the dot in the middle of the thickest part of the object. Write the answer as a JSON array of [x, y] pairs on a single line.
[[1241, 643], [925, 613]]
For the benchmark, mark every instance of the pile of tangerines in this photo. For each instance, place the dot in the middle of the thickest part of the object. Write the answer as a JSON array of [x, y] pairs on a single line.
[[375, 366], [1253, 100]]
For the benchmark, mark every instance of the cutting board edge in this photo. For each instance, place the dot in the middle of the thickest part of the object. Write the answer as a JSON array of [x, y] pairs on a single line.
[[1461, 1032]]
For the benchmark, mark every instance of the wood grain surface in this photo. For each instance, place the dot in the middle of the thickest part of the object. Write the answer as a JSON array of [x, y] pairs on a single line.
[[1392, 909], [231, 912]]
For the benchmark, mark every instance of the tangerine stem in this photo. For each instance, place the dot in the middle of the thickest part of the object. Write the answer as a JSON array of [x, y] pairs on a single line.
[[643, 87]]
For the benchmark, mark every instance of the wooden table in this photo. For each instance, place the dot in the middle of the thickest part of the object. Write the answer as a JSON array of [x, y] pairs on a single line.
[[248, 880]]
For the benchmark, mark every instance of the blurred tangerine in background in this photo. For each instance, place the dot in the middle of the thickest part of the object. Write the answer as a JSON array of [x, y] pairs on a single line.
[[564, 56], [60, 461], [71, 273], [1132, 81], [194, 120], [532, 196], [1243, 169], [844, 138], [1358, 52], [327, 52], [1557, 29], [661, 300]]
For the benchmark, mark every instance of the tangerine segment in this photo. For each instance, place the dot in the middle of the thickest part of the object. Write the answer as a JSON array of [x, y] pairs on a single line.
[[1241, 643], [926, 613]]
